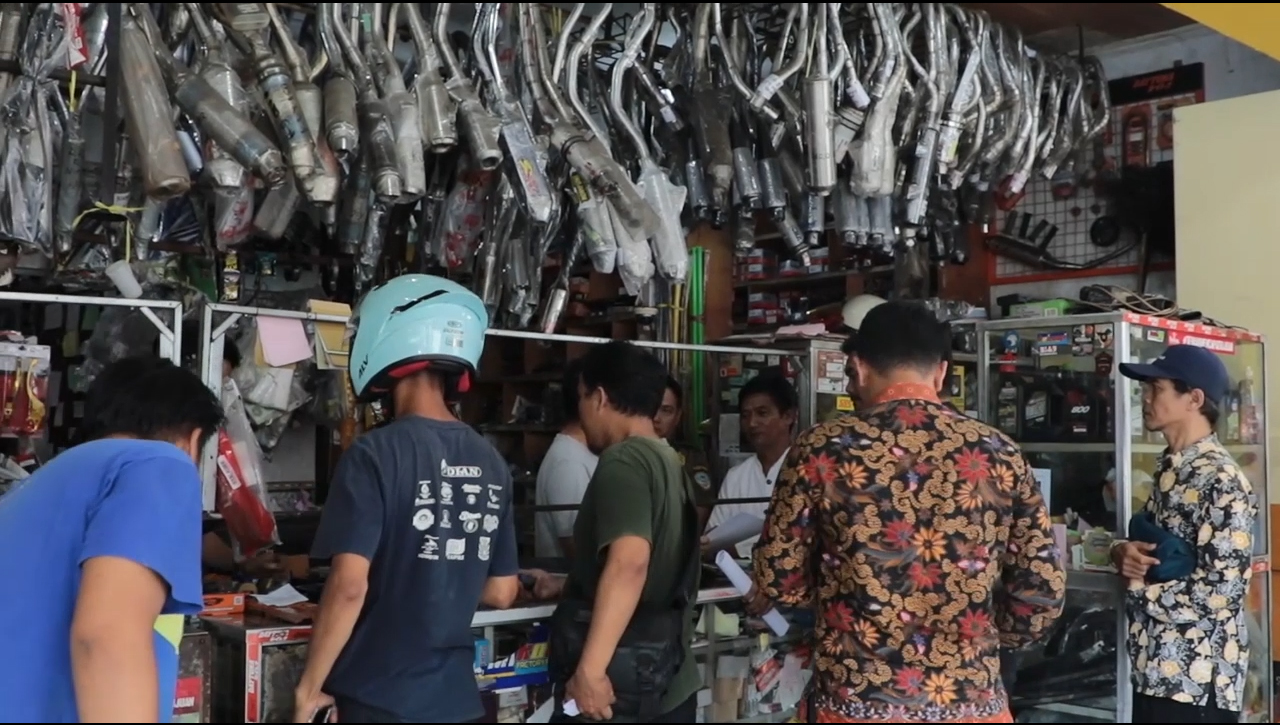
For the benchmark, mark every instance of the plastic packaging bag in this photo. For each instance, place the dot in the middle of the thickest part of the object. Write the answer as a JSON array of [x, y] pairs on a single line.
[[242, 491]]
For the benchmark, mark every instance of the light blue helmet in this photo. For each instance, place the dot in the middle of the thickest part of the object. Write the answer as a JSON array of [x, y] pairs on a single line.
[[415, 322]]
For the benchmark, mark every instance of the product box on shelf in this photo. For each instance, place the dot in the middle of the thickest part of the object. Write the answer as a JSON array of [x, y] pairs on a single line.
[[526, 666]]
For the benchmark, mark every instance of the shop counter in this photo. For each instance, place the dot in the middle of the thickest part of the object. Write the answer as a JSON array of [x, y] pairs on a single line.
[[260, 659], [538, 612]]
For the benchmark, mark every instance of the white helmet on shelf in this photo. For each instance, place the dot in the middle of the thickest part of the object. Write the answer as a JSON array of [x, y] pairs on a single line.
[[856, 309]]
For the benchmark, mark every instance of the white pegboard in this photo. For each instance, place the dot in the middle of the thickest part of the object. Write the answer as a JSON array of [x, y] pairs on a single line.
[[1075, 215]]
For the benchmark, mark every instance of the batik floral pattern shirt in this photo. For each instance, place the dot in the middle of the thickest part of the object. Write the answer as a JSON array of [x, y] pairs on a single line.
[[1187, 638], [923, 540]]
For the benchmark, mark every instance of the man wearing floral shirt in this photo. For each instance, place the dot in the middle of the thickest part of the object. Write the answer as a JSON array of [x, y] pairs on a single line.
[[919, 534], [1187, 637]]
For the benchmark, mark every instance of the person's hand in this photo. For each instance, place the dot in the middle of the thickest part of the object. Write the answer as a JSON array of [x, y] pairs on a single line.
[[1133, 559], [543, 586], [755, 602], [592, 693], [264, 563], [705, 542], [548, 586], [307, 704]]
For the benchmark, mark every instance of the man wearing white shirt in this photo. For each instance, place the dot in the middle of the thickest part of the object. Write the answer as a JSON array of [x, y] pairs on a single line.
[[767, 407], [563, 476]]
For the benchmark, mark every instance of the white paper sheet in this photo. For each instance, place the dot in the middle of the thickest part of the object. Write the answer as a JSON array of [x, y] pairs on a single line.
[[740, 581], [285, 596], [735, 529]]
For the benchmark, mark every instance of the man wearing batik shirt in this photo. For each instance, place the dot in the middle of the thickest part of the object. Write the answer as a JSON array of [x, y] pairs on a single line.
[[919, 534], [1187, 634]]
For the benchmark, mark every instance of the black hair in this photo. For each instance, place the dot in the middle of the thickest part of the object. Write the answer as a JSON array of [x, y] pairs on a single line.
[[850, 344], [676, 389], [903, 333], [1209, 408], [633, 379], [149, 397], [231, 353], [773, 383], [569, 389]]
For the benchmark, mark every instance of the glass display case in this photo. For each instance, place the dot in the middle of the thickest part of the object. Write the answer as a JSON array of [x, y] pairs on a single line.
[[1052, 384]]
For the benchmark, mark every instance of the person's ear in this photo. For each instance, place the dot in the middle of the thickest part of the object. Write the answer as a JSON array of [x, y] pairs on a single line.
[[192, 446], [1195, 399], [940, 376], [862, 370]]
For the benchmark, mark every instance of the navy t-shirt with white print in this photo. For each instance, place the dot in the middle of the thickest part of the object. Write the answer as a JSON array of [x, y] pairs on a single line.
[[429, 504]]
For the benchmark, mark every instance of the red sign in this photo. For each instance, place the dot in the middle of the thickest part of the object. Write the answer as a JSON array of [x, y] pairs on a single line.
[[1220, 345], [187, 699]]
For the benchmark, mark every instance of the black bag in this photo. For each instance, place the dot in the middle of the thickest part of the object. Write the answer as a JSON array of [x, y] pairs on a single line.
[[651, 650]]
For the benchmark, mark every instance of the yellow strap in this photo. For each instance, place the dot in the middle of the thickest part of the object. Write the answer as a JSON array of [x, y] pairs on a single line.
[[120, 211]]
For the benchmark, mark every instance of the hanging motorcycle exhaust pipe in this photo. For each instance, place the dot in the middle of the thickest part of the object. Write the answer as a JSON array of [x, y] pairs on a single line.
[[70, 182], [277, 210], [226, 125], [438, 112], [478, 127], [10, 37], [341, 125], [147, 112], [517, 139], [695, 181], [711, 126], [247, 25], [595, 229], [405, 120], [355, 205], [223, 171], [586, 153], [819, 104], [501, 217], [233, 195], [773, 194], [745, 173], [311, 103], [376, 131]]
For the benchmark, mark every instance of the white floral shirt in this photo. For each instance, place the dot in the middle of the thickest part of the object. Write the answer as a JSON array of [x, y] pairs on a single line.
[[1187, 638]]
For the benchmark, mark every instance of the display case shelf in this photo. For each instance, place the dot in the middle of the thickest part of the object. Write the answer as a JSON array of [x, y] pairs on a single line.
[[1053, 385]]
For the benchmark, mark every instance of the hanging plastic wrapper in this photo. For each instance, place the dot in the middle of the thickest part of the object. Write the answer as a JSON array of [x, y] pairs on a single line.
[[270, 395], [463, 216], [30, 133], [242, 491], [120, 332]]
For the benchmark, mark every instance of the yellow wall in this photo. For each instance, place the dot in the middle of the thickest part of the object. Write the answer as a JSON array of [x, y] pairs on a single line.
[[1250, 23], [1227, 183]]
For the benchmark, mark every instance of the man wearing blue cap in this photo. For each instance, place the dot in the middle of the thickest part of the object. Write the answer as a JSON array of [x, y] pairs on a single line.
[[1187, 634]]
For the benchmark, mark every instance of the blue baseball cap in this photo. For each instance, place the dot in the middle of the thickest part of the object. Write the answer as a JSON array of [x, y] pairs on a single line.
[[1193, 366]]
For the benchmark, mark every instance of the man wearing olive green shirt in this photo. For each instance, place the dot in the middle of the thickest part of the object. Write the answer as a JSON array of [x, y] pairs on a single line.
[[634, 542]]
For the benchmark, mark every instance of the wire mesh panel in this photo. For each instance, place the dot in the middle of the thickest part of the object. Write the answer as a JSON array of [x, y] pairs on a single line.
[[1140, 133]]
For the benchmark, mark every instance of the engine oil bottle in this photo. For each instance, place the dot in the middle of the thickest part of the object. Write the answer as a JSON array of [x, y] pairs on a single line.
[[1009, 407], [1082, 410], [1041, 407]]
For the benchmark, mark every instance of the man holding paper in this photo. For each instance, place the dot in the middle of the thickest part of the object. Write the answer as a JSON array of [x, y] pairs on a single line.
[[768, 406], [919, 534]]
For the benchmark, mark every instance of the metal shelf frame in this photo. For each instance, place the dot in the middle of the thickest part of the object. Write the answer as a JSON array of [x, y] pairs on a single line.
[[1129, 327], [218, 320], [170, 333]]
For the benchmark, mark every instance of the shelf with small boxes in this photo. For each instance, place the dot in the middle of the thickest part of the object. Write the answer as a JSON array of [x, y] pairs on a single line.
[[772, 288]]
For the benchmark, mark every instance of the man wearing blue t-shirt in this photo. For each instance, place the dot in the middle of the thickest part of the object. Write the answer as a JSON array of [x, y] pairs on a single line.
[[101, 551]]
